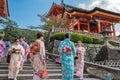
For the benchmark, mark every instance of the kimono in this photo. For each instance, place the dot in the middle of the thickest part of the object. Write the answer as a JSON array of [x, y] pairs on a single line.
[[67, 59], [38, 60], [80, 62], [26, 48], [15, 60], [2, 49]]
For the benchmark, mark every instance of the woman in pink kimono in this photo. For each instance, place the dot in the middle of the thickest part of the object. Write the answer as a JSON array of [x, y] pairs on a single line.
[[80, 61], [38, 51], [16, 51]]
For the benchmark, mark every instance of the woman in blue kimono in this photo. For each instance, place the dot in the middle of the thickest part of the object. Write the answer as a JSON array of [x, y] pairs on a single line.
[[67, 51]]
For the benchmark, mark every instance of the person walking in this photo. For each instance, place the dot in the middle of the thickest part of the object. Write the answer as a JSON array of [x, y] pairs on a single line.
[[26, 48], [79, 69], [2, 48], [16, 52], [38, 51], [67, 52]]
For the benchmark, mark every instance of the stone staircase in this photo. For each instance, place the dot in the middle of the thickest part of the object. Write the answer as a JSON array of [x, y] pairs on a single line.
[[53, 69]]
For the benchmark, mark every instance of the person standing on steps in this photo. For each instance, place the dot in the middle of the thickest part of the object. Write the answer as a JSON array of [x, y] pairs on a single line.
[[79, 69], [2, 48], [26, 48], [16, 51], [38, 51], [67, 52]]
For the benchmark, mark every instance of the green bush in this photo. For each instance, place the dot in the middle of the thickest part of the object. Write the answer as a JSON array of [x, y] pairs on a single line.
[[97, 41], [76, 37], [58, 36], [114, 43], [85, 39]]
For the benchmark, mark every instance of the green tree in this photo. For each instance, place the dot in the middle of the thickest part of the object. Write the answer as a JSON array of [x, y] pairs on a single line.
[[12, 31], [9, 29], [49, 22]]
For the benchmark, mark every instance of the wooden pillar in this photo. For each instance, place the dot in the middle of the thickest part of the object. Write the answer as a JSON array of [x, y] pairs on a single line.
[[114, 32], [78, 25], [88, 27], [72, 27], [99, 26]]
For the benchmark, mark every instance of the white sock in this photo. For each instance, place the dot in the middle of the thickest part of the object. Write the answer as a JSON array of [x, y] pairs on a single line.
[[15, 78], [81, 78]]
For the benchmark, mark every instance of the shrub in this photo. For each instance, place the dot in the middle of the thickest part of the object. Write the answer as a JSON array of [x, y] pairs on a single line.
[[97, 41], [58, 36], [114, 43], [87, 39], [76, 37]]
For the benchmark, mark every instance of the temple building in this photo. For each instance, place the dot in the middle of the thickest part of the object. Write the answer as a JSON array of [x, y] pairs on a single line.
[[4, 8], [91, 21]]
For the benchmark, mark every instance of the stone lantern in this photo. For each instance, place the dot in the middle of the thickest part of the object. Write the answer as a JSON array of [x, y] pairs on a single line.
[[103, 54]]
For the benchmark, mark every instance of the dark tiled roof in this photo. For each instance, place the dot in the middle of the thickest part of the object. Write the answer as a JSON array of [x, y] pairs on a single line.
[[70, 8]]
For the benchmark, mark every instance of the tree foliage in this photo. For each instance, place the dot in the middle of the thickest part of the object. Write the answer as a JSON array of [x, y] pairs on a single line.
[[12, 31], [57, 22]]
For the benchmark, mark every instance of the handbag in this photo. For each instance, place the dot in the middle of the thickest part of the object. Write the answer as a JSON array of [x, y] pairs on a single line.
[[44, 73], [8, 58]]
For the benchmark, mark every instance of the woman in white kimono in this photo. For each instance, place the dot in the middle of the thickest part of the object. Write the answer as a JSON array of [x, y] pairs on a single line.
[[16, 51], [38, 57]]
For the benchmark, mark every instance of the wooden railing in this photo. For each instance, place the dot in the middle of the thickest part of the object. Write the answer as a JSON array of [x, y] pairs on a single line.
[[79, 32], [115, 72]]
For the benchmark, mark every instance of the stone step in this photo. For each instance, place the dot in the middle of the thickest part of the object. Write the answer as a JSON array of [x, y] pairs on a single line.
[[79, 79], [30, 76], [31, 71], [30, 67], [54, 72], [47, 62], [57, 79], [29, 64]]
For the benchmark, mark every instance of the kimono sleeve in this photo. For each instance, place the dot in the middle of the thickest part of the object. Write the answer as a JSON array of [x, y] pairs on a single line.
[[60, 47], [73, 48], [10, 49], [22, 50]]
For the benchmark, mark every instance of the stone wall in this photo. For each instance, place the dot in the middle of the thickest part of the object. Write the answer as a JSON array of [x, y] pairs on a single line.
[[114, 54], [91, 49]]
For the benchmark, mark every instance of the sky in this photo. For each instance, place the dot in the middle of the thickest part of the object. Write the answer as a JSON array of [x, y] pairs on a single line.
[[25, 12]]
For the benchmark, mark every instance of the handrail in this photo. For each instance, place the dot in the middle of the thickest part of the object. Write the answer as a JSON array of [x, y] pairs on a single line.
[[110, 69], [115, 71]]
